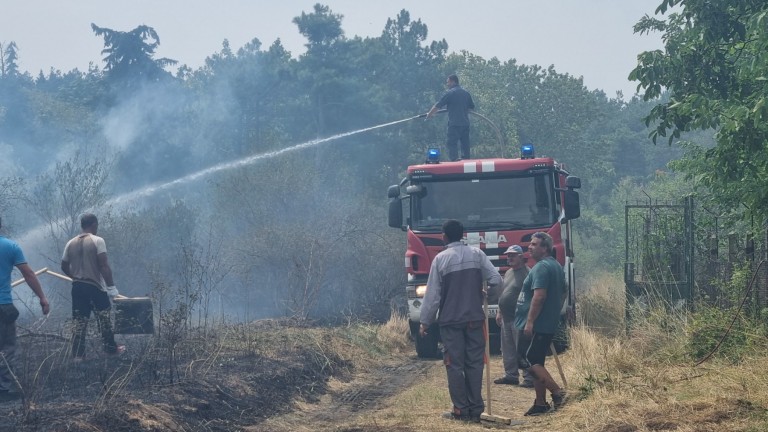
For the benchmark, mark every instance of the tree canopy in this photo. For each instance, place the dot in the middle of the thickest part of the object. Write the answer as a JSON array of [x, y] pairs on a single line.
[[129, 55], [714, 66]]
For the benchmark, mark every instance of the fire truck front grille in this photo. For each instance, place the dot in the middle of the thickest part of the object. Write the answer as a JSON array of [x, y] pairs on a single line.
[[498, 259]]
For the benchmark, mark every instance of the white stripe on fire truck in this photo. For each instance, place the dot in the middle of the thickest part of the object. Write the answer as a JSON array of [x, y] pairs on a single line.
[[489, 166], [470, 167], [407, 262], [491, 239], [473, 239]]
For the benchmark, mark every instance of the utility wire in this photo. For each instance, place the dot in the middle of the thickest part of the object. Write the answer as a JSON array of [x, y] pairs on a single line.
[[735, 315]]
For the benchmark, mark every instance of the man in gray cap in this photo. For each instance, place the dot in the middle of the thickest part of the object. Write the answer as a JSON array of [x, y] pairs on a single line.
[[505, 318]]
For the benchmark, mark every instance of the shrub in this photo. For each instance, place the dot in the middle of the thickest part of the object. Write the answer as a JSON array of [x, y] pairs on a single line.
[[708, 325]]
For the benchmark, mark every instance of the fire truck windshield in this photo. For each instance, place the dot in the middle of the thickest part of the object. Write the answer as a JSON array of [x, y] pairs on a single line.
[[493, 203]]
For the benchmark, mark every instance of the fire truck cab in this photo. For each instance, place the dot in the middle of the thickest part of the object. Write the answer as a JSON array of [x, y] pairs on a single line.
[[500, 202]]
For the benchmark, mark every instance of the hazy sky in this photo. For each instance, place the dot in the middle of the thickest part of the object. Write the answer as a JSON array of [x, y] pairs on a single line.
[[589, 38]]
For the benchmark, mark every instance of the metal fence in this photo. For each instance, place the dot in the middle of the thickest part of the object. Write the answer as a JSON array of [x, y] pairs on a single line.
[[684, 255]]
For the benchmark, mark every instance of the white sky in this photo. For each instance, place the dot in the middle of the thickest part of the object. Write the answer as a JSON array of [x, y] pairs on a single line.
[[588, 38]]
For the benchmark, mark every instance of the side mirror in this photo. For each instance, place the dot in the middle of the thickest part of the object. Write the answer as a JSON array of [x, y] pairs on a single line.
[[395, 217], [571, 206], [572, 182], [393, 191]]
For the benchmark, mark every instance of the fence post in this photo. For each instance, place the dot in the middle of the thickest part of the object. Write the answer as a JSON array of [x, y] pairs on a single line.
[[732, 255], [689, 241], [762, 278], [749, 253], [711, 271]]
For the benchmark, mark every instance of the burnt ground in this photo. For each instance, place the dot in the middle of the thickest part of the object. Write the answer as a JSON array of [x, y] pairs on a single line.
[[238, 393], [204, 385]]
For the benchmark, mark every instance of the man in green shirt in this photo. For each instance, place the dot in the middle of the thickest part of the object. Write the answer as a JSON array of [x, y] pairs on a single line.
[[538, 317]]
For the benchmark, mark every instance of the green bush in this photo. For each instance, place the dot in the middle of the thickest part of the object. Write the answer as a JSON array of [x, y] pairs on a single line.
[[708, 325], [713, 322]]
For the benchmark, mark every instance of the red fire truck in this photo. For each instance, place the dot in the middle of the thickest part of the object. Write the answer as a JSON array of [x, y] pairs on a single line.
[[501, 202]]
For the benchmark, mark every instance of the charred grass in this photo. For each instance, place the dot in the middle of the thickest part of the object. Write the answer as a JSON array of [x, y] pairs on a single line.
[[229, 378], [282, 376]]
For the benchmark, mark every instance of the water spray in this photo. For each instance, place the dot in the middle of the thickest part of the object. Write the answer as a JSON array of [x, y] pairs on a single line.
[[249, 160], [150, 190]]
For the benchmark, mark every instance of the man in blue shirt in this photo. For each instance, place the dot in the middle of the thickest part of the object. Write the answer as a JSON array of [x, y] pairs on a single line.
[[11, 256], [538, 316], [458, 102]]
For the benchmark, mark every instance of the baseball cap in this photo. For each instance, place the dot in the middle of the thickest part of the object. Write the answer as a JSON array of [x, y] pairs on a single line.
[[514, 249]]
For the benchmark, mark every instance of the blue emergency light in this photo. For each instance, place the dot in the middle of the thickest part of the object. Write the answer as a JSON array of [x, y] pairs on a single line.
[[526, 151], [433, 156]]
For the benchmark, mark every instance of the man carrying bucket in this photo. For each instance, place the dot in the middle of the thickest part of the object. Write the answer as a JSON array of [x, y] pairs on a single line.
[[85, 261]]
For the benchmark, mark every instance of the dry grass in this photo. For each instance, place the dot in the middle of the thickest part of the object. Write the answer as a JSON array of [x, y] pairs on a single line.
[[601, 305], [615, 389], [395, 334], [619, 383], [645, 381], [625, 386]]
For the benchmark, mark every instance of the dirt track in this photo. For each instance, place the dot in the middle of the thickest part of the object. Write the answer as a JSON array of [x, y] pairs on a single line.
[[363, 402], [362, 391]]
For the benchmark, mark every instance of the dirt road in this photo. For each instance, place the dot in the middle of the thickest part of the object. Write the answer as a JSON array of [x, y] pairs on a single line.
[[406, 394]]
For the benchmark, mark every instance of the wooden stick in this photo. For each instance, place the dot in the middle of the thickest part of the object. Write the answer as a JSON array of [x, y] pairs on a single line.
[[58, 275], [41, 271], [557, 362], [488, 416], [487, 359], [21, 281]]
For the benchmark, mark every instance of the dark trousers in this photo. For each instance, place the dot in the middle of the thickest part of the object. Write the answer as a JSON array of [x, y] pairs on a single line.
[[464, 347], [456, 134], [509, 338], [8, 315], [87, 298]]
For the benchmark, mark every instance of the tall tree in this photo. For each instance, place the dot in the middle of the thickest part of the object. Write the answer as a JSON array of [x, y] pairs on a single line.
[[129, 55], [409, 63], [322, 27], [715, 66], [17, 117], [324, 64], [404, 72], [9, 55]]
